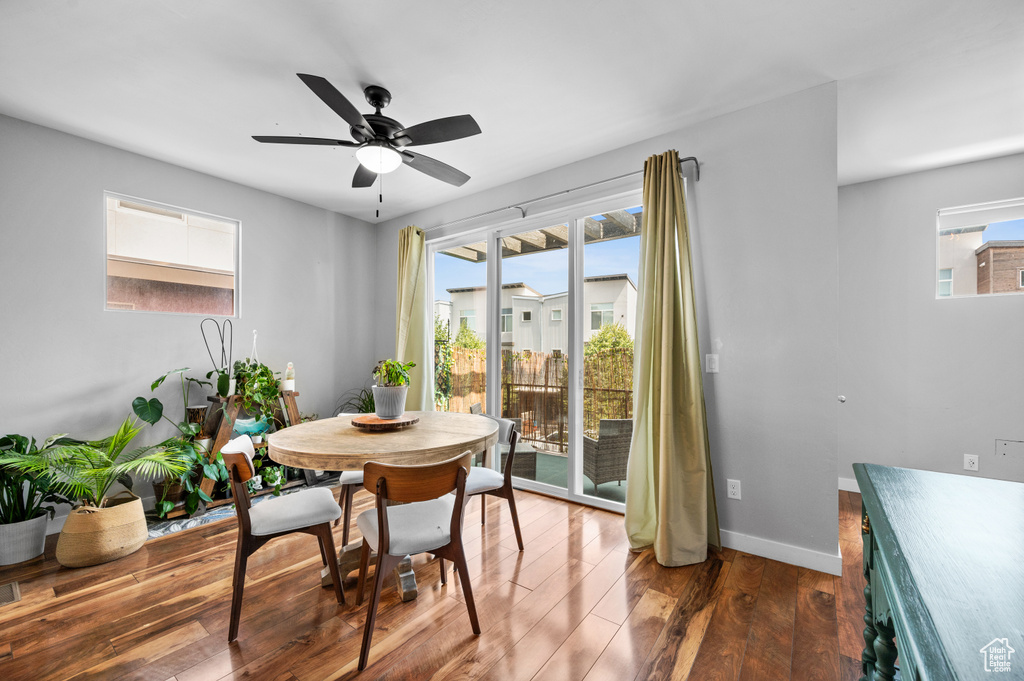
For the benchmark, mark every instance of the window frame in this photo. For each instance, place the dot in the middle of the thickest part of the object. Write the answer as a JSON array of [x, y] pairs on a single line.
[[559, 311], [185, 212], [463, 319], [526, 316]]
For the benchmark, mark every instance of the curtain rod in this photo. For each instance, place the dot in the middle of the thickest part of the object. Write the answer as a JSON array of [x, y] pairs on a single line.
[[520, 206]]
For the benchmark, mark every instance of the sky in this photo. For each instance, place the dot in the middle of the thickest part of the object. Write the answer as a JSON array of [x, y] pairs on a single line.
[[546, 272], [1011, 230]]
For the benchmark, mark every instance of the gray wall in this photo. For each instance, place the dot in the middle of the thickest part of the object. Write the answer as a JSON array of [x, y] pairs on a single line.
[[926, 380], [70, 366], [766, 239]]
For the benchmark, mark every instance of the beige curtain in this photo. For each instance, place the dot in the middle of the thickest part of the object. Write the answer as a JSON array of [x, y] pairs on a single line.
[[670, 496], [411, 340]]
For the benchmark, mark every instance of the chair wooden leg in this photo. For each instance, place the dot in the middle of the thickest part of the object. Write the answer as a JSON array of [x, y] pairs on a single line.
[[515, 518], [383, 567], [323, 550], [483, 508], [238, 586], [444, 573], [349, 492], [364, 565], [467, 589], [327, 547]]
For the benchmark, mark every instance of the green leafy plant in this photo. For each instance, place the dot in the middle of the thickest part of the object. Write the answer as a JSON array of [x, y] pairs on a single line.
[[84, 471], [392, 373], [444, 361], [257, 387], [356, 401], [195, 456], [610, 337], [25, 495], [467, 339]]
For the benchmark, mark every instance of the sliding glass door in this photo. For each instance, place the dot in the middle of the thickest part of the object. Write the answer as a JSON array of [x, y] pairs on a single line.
[[543, 335]]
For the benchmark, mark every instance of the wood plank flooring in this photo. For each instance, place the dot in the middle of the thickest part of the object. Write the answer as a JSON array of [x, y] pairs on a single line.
[[576, 605]]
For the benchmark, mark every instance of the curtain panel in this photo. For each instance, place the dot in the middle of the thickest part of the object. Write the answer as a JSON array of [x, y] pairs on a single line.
[[670, 496], [411, 339]]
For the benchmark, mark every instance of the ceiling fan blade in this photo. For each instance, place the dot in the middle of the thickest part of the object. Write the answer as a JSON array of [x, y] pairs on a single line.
[[364, 177], [319, 141], [439, 130], [434, 168], [334, 99]]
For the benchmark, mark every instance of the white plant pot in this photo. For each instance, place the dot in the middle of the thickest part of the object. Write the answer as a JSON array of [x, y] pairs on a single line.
[[22, 541], [389, 401]]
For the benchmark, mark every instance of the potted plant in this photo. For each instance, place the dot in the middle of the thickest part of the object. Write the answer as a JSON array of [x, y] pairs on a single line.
[[391, 387], [193, 450], [257, 388], [25, 503], [104, 527]]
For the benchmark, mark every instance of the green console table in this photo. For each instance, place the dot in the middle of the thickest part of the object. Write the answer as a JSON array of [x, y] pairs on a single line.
[[944, 564]]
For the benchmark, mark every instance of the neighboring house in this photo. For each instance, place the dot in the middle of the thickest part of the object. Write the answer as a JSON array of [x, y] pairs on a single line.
[[1000, 267], [540, 323], [957, 262]]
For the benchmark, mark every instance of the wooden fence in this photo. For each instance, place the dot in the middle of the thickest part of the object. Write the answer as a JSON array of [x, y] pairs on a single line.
[[535, 388]]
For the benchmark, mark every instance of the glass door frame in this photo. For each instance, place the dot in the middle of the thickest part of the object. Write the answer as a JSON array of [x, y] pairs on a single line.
[[574, 216]]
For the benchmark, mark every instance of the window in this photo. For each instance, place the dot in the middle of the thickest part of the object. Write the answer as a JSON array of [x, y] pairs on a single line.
[[600, 315], [1020, 276], [166, 259], [467, 319], [556, 353], [980, 249], [527, 316], [506, 320], [945, 282], [556, 314]]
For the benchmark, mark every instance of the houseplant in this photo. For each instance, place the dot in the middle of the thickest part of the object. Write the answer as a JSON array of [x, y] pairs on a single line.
[[25, 503], [257, 387], [193, 452], [104, 527], [391, 387]]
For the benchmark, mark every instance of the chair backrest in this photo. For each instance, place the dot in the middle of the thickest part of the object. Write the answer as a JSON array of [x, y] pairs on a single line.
[[612, 427], [389, 482], [238, 455], [508, 433], [475, 408]]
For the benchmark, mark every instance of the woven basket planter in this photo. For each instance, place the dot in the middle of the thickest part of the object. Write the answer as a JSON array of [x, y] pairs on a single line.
[[99, 535]]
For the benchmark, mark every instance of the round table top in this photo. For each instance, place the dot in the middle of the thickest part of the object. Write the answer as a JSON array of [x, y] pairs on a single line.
[[334, 444]]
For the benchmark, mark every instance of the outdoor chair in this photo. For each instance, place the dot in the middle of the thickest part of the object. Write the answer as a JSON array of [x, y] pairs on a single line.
[[310, 511], [605, 459], [485, 481], [429, 520]]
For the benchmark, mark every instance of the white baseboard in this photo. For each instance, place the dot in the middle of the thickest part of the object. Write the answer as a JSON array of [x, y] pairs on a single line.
[[849, 485], [785, 553]]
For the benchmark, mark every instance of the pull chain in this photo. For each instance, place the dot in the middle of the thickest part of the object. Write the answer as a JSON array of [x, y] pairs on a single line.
[[380, 191]]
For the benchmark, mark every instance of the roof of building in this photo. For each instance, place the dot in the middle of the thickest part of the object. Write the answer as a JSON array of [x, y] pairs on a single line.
[[470, 289], [998, 244]]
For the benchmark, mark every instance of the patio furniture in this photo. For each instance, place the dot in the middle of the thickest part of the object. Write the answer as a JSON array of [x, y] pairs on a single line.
[[605, 458], [428, 519], [487, 481], [310, 511]]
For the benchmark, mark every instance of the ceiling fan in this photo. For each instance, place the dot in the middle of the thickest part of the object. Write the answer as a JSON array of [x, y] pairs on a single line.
[[380, 141]]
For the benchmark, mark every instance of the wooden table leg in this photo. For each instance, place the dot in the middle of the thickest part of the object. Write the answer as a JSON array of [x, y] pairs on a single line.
[[348, 562]]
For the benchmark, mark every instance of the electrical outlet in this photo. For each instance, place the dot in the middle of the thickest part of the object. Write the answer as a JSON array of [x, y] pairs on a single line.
[[970, 462], [733, 487]]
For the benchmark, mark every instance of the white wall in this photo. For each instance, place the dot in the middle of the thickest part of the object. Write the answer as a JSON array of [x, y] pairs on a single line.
[[305, 283], [765, 233], [926, 380]]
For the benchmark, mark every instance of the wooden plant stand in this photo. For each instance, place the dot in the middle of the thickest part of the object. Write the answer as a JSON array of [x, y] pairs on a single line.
[[219, 424]]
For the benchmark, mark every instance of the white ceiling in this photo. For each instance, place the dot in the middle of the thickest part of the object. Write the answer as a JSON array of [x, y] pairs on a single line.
[[922, 83]]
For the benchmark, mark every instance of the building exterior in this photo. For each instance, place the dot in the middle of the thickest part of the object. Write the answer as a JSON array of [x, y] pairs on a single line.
[[1000, 267], [539, 323]]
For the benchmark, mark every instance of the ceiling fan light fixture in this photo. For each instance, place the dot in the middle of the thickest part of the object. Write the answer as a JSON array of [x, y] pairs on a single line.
[[378, 157]]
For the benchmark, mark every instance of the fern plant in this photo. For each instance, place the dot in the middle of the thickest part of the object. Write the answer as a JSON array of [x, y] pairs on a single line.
[[85, 471]]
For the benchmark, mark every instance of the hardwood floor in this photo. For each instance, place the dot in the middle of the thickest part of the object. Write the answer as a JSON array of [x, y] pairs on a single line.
[[575, 605]]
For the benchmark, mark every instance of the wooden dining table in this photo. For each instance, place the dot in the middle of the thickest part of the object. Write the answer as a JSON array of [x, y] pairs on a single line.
[[334, 444]]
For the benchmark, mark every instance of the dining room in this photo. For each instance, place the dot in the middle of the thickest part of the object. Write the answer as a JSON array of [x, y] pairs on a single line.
[[650, 308]]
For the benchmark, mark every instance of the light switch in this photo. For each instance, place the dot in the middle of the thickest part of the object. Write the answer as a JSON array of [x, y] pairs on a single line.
[[711, 364]]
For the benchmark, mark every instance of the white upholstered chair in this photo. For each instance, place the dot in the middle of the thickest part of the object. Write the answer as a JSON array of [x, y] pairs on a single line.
[[484, 481], [310, 511]]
